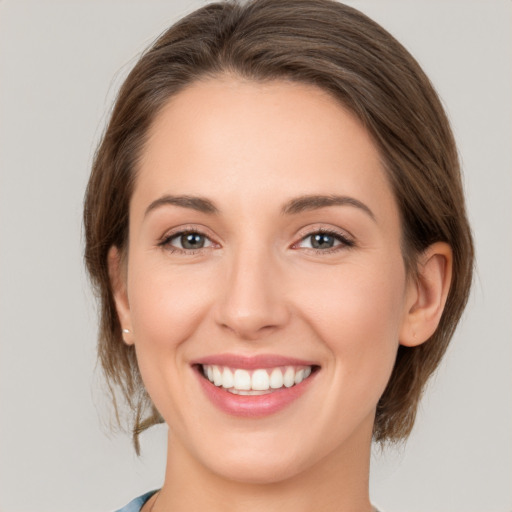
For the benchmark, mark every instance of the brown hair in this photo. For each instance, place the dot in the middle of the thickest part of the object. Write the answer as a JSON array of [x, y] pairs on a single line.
[[340, 50]]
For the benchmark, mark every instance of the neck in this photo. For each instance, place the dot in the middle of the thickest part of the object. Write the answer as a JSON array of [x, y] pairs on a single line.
[[336, 483]]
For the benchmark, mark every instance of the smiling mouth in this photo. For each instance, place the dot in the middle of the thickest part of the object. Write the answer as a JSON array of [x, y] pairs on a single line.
[[261, 381]]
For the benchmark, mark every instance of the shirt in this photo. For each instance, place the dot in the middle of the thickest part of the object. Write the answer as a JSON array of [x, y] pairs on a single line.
[[136, 504]]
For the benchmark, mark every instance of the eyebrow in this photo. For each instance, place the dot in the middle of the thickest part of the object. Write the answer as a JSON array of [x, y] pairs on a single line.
[[199, 204], [315, 202], [292, 207]]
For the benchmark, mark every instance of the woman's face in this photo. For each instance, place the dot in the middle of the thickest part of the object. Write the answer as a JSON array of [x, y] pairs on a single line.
[[264, 247]]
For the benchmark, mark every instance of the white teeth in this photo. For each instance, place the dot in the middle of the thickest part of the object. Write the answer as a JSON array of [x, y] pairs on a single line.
[[242, 380], [276, 379], [217, 376], [289, 377], [256, 382], [260, 380], [228, 379]]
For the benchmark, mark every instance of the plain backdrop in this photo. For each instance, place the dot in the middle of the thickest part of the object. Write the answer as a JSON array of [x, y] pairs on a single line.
[[61, 63]]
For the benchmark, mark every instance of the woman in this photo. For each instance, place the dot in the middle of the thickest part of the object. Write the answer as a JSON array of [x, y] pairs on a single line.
[[276, 227]]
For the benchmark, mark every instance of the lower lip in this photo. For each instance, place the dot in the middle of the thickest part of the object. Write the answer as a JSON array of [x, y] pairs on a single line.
[[254, 406]]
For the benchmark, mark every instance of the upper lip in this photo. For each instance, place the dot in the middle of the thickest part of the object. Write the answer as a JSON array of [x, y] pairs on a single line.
[[252, 362]]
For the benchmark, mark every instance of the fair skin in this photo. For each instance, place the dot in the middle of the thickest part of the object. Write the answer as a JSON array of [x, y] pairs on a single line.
[[267, 272]]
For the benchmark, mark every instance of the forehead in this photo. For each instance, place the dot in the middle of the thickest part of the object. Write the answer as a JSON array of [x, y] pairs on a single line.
[[233, 138]]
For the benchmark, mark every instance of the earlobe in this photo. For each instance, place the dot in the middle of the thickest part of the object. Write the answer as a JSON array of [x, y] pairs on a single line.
[[119, 291], [427, 294]]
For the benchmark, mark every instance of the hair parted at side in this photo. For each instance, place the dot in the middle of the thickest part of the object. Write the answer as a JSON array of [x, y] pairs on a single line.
[[336, 48]]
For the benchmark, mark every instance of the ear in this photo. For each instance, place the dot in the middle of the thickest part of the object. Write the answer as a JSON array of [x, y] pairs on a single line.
[[427, 294], [117, 274]]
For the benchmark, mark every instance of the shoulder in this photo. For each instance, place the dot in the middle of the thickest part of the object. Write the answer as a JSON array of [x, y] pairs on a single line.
[[136, 504]]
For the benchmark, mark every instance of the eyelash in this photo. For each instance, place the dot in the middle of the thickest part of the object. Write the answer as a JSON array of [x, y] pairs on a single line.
[[345, 242], [166, 241]]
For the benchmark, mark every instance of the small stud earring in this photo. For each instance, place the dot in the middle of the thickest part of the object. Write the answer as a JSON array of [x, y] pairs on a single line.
[[126, 331]]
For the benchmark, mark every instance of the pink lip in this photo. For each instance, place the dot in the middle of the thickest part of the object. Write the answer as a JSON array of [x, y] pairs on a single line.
[[254, 406], [252, 362]]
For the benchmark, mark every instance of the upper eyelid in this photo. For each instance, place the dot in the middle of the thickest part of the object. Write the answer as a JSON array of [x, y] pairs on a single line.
[[180, 230], [342, 242], [311, 230]]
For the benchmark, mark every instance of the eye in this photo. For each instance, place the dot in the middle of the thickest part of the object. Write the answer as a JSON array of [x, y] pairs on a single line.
[[324, 241], [186, 241]]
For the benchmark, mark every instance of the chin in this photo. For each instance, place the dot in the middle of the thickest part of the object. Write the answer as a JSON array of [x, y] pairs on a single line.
[[257, 469], [260, 457]]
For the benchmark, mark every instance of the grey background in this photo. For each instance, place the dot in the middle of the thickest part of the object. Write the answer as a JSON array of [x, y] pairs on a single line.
[[60, 65]]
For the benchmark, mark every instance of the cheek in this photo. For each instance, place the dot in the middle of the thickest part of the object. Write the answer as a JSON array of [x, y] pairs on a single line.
[[357, 299], [357, 313], [166, 306], [165, 303]]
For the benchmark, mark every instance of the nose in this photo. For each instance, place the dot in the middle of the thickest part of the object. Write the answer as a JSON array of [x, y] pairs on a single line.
[[253, 299]]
